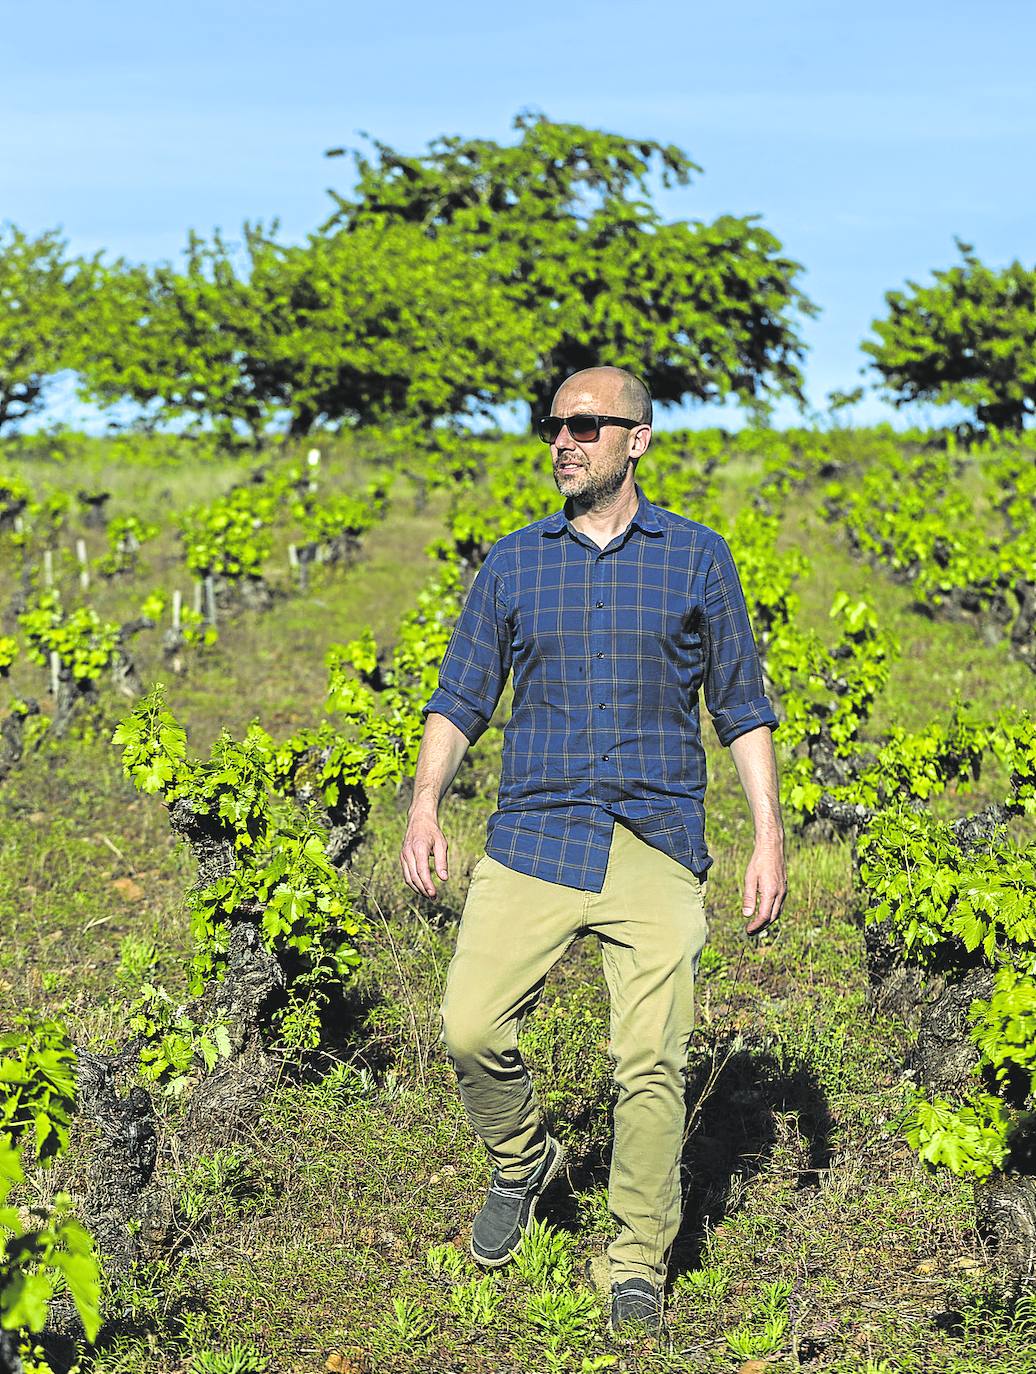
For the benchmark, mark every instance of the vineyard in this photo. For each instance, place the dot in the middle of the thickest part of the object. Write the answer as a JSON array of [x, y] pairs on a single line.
[[230, 1139]]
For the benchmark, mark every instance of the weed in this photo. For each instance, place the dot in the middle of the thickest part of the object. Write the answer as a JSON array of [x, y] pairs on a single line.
[[476, 1302], [408, 1327], [774, 1298], [987, 1313], [710, 1282], [445, 1261], [341, 1086], [300, 1022], [711, 962], [566, 1315], [749, 1342], [221, 1182], [594, 1209], [545, 1256], [237, 1358], [138, 960]]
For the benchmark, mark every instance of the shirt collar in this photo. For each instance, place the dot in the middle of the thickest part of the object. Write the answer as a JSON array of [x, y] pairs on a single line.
[[645, 517]]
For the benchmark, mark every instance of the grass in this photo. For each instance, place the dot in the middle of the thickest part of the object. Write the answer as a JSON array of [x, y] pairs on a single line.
[[812, 1237]]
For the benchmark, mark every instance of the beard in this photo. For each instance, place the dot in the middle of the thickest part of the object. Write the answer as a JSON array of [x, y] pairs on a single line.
[[596, 488]]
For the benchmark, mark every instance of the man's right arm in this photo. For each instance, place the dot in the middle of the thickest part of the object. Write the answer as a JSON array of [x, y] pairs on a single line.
[[443, 747], [471, 679]]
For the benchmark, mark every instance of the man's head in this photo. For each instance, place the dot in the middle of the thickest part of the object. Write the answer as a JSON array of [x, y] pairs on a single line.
[[593, 470]]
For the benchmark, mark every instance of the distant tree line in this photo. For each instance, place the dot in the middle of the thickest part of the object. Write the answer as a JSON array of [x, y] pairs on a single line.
[[478, 274]]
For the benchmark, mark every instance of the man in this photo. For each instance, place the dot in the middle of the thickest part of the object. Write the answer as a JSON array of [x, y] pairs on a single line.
[[612, 613]]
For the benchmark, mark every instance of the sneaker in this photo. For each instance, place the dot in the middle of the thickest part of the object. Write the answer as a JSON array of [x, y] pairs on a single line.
[[636, 1307], [509, 1208]]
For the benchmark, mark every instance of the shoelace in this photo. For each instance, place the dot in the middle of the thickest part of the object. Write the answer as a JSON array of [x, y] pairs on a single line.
[[653, 1298], [509, 1190]]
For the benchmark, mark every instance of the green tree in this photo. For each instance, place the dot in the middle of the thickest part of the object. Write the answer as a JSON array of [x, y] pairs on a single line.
[[355, 326], [563, 219], [189, 341], [384, 321], [40, 291], [969, 338]]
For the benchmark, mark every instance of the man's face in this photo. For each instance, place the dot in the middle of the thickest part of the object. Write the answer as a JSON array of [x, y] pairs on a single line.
[[591, 472]]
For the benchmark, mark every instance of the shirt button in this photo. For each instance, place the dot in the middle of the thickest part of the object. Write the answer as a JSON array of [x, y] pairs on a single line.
[[605, 757], [600, 653], [601, 705], [600, 604]]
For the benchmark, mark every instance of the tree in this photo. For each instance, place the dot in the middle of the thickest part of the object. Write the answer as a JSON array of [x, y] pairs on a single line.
[[385, 322], [181, 342], [564, 221], [362, 326], [970, 338], [40, 290]]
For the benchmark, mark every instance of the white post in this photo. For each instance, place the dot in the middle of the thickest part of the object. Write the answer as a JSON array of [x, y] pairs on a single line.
[[197, 598], [210, 599], [55, 673], [48, 568], [177, 599], [84, 567]]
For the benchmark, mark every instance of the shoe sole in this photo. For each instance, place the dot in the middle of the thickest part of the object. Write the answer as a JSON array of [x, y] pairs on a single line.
[[637, 1328], [548, 1178]]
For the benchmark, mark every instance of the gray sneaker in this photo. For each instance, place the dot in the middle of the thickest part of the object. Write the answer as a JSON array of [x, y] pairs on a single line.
[[509, 1208], [636, 1308]]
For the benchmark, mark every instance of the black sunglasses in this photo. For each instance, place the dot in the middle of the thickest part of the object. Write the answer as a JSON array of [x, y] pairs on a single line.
[[583, 428]]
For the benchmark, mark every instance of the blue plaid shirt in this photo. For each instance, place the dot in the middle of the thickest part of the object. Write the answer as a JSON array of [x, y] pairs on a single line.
[[609, 648]]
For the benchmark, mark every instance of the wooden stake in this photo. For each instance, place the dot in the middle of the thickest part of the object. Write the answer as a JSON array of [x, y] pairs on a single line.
[[210, 599], [84, 567]]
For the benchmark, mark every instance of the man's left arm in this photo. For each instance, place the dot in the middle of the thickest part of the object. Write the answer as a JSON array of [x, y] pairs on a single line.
[[766, 879], [744, 720]]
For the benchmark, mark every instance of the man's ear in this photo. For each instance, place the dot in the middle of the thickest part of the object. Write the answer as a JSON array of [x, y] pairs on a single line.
[[641, 438]]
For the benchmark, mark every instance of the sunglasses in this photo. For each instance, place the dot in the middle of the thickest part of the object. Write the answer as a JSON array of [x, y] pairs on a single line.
[[584, 429]]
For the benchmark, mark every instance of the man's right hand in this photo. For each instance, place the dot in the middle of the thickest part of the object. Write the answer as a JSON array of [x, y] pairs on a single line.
[[423, 838]]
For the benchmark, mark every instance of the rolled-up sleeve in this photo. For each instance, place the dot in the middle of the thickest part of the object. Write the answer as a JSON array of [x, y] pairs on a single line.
[[733, 682], [477, 660]]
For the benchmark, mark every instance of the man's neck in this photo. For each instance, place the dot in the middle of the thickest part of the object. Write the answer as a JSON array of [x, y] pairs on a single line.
[[605, 522]]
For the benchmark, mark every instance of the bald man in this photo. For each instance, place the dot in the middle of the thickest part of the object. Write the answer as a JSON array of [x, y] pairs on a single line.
[[612, 613]]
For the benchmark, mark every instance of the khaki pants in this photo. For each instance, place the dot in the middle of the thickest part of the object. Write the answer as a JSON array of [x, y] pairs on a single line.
[[651, 923]]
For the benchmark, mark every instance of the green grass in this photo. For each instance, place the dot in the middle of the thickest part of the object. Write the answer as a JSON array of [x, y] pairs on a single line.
[[312, 1240]]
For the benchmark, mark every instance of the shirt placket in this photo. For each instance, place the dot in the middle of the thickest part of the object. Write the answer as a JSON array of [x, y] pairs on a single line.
[[599, 674]]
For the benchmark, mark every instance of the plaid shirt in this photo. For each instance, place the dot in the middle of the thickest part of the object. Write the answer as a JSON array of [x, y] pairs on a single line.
[[609, 648]]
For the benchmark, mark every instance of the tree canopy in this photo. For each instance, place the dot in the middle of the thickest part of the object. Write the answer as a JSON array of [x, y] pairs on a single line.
[[41, 290], [564, 220], [969, 338], [474, 274], [365, 326]]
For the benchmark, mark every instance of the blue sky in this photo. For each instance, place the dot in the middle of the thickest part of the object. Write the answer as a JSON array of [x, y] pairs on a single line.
[[866, 139]]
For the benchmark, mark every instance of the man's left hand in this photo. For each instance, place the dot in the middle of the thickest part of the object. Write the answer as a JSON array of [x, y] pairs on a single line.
[[766, 884]]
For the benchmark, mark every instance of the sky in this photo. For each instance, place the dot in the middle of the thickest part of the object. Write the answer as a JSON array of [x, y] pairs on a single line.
[[865, 140]]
